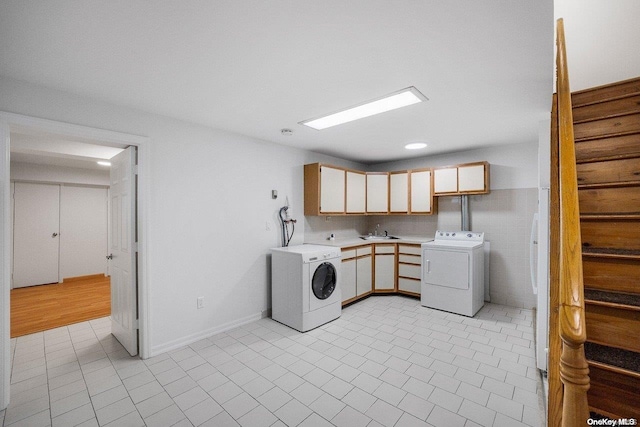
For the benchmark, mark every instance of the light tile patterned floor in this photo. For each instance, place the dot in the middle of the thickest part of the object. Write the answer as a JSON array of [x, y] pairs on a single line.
[[386, 362]]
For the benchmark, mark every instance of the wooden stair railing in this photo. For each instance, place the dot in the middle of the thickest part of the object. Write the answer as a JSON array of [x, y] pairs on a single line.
[[567, 275]]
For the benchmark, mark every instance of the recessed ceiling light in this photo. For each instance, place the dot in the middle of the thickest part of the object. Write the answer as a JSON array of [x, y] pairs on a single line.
[[415, 146], [102, 163], [401, 98]]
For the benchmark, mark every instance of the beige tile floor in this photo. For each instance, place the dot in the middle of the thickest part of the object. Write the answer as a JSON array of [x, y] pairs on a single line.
[[387, 361]]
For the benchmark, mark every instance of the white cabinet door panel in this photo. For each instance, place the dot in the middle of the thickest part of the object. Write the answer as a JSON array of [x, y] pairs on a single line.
[[445, 180], [348, 280], [399, 192], [421, 192], [385, 272], [471, 178], [331, 189], [377, 193], [356, 192], [363, 275]]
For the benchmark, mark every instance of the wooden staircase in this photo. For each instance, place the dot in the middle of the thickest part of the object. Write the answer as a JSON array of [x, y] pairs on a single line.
[[607, 146]]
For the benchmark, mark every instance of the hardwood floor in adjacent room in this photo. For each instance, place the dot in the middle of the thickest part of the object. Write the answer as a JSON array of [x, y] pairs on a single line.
[[39, 308]]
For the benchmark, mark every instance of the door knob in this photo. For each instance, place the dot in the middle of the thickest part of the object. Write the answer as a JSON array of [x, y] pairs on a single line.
[[110, 256], [54, 234]]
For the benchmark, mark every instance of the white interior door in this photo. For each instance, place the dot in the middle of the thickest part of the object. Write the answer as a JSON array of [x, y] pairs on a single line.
[[36, 241], [124, 303]]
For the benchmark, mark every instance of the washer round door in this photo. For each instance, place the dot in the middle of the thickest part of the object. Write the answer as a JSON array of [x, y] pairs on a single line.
[[324, 281]]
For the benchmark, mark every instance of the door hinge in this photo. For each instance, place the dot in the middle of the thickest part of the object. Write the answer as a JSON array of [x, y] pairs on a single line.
[[135, 169], [135, 246], [136, 324]]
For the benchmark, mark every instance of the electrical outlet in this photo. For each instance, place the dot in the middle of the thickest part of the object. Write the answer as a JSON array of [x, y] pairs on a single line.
[[200, 302]]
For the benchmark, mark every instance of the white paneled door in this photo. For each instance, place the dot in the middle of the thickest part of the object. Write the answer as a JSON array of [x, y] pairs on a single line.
[[122, 255], [36, 234]]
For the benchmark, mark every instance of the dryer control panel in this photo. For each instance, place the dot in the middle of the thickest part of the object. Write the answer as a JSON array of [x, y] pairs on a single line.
[[464, 236]]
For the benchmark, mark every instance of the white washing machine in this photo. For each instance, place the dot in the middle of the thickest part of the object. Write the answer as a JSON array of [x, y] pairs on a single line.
[[305, 285], [453, 272]]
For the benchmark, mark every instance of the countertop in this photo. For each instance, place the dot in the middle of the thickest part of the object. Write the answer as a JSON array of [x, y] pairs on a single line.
[[355, 241]]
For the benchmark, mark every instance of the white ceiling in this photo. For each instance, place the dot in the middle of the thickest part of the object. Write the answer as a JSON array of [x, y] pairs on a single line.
[[255, 66], [46, 149]]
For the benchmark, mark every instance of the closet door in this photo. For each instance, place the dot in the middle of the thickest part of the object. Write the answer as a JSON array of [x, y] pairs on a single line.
[[36, 241]]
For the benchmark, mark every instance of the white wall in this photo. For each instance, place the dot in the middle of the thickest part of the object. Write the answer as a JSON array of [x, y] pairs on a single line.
[[58, 174], [209, 205], [512, 165]]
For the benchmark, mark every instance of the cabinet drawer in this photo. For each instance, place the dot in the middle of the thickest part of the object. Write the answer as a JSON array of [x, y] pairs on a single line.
[[408, 249], [366, 250], [350, 253], [409, 259], [385, 249], [409, 285], [406, 270]]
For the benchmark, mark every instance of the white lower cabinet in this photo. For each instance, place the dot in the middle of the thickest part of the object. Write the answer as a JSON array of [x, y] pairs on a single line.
[[348, 280], [385, 268], [363, 275], [409, 268], [356, 272]]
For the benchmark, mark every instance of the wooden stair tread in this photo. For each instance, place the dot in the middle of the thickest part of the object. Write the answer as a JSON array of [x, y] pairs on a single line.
[[606, 116], [604, 135], [611, 253], [610, 356], [607, 92], [612, 299], [604, 99], [608, 158], [611, 217], [610, 184]]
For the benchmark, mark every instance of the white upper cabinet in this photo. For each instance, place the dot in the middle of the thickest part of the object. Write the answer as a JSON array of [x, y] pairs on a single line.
[[378, 193], [324, 189], [331, 189], [399, 192], [356, 192], [421, 195], [471, 178], [445, 180]]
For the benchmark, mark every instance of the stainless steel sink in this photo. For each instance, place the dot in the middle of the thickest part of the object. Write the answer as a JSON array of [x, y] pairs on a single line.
[[378, 237]]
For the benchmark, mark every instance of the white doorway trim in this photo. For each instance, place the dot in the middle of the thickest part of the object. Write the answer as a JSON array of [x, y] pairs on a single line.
[[15, 122]]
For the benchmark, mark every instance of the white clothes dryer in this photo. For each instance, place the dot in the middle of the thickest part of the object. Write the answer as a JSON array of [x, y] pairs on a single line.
[[305, 285], [453, 272]]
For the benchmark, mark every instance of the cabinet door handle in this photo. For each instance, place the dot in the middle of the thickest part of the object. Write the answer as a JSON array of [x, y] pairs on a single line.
[[54, 235], [110, 256]]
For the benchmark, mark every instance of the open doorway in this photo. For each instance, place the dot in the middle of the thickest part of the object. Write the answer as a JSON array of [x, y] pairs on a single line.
[[15, 123], [60, 197]]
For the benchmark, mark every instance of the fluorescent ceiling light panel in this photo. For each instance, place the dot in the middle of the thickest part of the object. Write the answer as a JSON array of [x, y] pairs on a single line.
[[402, 98], [103, 163]]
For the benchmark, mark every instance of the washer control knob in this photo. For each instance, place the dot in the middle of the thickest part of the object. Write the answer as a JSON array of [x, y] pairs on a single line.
[[453, 234], [469, 235]]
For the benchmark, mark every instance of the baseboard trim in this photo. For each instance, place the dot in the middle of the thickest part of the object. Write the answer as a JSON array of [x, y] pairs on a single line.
[[190, 339], [87, 277]]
